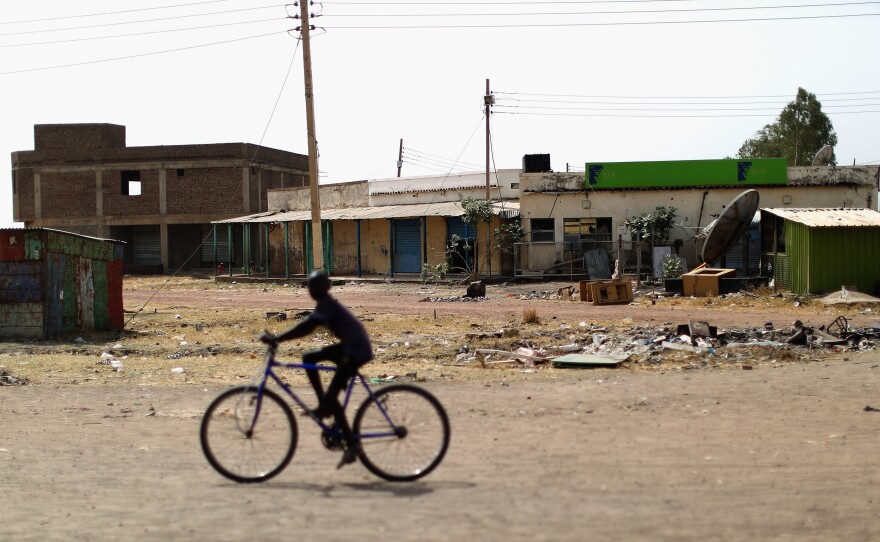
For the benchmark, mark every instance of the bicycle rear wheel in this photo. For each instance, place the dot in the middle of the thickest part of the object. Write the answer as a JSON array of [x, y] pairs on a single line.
[[404, 432], [241, 447]]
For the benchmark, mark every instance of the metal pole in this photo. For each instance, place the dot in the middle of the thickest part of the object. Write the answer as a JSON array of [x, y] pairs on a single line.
[[317, 242], [400, 158], [229, 240]]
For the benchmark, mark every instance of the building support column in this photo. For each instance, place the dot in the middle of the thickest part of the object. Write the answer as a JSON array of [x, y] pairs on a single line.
[[391, 247], [358, 222], [287, 250], [38, 196], [229, 245], [163, 245]]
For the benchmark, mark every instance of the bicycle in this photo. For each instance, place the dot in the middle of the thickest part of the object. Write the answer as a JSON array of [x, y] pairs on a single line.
[[249, 433]]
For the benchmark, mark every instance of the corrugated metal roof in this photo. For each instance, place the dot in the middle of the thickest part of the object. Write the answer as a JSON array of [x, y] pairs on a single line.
[[824, 218], [504, 209]]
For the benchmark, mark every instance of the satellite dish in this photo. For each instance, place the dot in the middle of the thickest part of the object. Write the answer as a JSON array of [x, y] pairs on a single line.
[[825, 156], [726, 230]]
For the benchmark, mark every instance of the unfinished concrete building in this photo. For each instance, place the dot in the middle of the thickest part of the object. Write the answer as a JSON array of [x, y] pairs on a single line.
[[160, 200]]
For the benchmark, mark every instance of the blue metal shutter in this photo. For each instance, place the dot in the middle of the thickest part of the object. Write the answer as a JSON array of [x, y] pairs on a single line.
[[327, 241], [407, 246]]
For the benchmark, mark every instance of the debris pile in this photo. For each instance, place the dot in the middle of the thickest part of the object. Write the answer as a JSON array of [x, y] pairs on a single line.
[[7, 379], [592, 346]]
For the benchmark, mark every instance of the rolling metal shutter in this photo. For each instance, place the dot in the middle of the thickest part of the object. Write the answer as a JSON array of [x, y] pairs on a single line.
[[146, 245], [207, 233], [407, 246], [327, 241]]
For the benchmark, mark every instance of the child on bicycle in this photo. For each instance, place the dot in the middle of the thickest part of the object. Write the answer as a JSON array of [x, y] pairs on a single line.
[[353, 351]]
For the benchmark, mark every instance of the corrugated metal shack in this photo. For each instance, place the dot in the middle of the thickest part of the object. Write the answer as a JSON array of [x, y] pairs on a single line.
[[54, 282], [816, 251]]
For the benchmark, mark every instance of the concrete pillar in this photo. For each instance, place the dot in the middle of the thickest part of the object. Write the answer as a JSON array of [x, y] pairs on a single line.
[[163, 244], [99, 203], [38, 196], [163, 192], [245, 190]]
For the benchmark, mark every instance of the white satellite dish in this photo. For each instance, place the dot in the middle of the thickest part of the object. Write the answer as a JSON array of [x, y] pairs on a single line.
[[825, 156], [725, 231]]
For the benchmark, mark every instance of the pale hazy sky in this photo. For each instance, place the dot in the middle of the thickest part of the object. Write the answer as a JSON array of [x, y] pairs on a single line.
[[569, 81]]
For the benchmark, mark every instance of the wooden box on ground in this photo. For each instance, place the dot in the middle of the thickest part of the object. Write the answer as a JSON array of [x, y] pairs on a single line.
[[705, 282], [606, 292]]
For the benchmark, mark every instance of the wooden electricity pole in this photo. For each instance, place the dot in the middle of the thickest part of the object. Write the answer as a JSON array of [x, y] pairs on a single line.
[[487, 101], [400, 157], [317, 242]]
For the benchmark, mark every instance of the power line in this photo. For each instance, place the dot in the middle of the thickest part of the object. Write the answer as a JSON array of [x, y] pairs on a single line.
[[448, 166], [139, 55], [135, 34], [597, 24], [619, 12], [667, 108], [434, 158], [503, 3], [111, 12], [603, 102], [687, 97], [664, 116], [141, 21]]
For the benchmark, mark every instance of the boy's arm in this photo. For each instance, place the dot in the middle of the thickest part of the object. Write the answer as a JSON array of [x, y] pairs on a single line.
[[299, 330]]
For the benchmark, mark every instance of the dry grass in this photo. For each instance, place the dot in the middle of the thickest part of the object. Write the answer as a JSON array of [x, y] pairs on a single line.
[[219, 347], [530, 316]]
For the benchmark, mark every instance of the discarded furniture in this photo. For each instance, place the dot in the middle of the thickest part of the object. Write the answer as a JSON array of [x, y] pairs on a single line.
[[606, 292]]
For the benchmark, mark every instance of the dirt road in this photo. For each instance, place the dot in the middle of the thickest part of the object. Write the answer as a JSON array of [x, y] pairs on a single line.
[[786, 453]]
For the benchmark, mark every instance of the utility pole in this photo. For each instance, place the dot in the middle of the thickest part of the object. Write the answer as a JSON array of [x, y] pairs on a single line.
[[488, 100], [317, 242], [400, 157]]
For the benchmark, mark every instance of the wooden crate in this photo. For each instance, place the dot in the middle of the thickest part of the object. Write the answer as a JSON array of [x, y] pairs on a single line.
[[606, 292], [705, 282]]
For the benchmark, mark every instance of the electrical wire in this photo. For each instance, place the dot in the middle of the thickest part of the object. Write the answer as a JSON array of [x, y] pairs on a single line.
[[440, 158], [596, 24], [665, 116], [134, 34], [47, 19], [230, 203], [443, 163], [685, 97], [695, 109], [121, 23], [620, 12], [603, 102], [139, 55]]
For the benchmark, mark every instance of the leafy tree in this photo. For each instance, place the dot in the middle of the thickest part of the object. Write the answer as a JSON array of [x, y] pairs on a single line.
[[800, 130], [652, 227]]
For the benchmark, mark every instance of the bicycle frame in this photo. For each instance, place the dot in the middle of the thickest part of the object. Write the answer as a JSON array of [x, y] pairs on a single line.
[[270, 374]]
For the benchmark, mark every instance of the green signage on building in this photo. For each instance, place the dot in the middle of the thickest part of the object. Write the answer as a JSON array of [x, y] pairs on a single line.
[[684, 173]]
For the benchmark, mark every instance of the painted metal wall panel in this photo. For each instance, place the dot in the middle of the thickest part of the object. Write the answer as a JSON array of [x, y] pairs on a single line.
[[53, 321], [825, 259], [20, 282], [84, 303], [115, 311], [21, 320], [11, 246]]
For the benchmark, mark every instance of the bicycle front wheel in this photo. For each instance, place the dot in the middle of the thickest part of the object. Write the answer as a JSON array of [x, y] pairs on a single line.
[[244, 445], [404, 432]]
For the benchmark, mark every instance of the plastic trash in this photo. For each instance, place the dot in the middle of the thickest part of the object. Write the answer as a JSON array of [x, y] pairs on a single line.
[[177, 370]]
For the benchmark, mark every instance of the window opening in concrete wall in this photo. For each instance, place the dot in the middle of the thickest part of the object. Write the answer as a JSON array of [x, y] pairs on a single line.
[[180, 173], [131, 182], [543, 230], [583, 234], [13, 183]]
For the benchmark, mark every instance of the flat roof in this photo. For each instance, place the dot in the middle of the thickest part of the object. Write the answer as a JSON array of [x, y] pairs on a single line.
[[825, 218], [504, 209]]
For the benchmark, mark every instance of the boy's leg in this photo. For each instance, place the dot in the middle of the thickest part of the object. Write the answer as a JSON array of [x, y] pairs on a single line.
[[330, 353]]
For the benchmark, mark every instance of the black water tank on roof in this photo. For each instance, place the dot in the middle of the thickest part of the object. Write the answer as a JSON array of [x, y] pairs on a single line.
[[536, 163]]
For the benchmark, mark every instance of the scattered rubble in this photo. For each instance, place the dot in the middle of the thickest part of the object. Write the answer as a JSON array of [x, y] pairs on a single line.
[[587, 346], [7, 379]]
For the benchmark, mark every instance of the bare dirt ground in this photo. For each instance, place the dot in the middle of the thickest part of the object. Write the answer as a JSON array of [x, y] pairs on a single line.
[[690, 448]]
